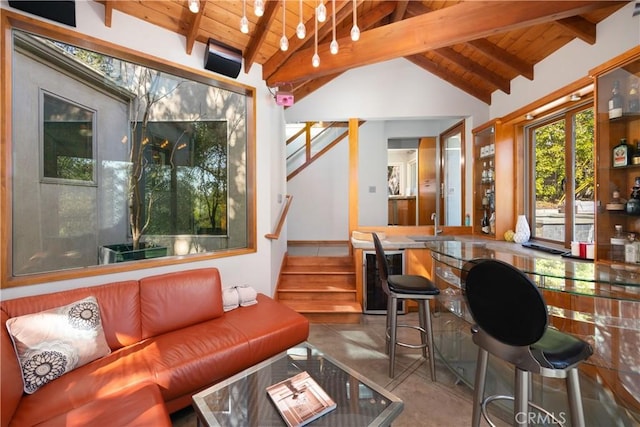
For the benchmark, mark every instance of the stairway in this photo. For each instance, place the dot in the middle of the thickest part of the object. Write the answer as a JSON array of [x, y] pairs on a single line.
[[322, 288]]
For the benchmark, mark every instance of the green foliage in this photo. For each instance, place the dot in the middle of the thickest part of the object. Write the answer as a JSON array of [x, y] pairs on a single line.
[[550, 177]]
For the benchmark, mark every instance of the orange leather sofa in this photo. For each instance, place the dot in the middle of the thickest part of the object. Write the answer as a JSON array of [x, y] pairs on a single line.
[[169, 338]]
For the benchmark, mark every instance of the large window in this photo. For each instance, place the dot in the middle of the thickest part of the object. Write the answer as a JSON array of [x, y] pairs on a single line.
[[137, 160], [561, 178]]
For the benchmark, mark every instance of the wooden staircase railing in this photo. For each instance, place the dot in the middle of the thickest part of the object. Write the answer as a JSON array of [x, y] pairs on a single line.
[[283, 215], [309, 142]]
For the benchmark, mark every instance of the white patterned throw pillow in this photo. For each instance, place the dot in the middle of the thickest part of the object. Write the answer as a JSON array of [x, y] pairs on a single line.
[[54, 342]]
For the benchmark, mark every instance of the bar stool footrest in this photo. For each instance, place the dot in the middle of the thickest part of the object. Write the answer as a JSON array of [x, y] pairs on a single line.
[[409, 345]]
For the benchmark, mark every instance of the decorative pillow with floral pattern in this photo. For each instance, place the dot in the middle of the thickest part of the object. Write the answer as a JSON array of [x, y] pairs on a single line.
[[54, 342]]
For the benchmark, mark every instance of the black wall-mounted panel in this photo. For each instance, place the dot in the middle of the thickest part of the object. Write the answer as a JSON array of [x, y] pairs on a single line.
[[222, 59], [57, 10]]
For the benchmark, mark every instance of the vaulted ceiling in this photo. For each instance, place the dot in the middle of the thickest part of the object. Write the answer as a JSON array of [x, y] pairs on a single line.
[[478, 47]]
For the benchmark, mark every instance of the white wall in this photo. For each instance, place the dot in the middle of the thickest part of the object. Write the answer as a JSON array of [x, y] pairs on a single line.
[[397, 99], [256, 269]]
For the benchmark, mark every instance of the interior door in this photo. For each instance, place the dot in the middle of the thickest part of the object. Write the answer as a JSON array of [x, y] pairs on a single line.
[[452, 173]]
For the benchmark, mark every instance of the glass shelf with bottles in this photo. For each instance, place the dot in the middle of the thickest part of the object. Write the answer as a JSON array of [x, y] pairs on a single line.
[[617, 118]]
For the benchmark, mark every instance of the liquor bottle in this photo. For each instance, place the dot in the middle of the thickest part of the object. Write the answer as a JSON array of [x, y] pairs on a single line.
[[617, 244], [635, 159], [631, 249], [621, 154], [484, 172], [490, 173], [485, 227], [616, 101], [634, 96]]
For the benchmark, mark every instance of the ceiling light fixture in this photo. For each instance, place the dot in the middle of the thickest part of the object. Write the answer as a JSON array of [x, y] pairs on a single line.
[[333, 47], [301, 31], [575, 97], [321, 12], [194, 6], [258, 7], [244, 22], [284, 42], [315, 60], [528, 116], [355, 31]]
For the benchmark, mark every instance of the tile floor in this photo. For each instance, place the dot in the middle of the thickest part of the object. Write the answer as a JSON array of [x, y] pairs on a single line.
[[361, 346], [445, 403]]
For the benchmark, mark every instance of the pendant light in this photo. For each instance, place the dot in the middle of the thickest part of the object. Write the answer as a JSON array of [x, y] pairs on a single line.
[[301, 31], [321, 12], [315, 61], [258, 7], [355, 31], [194, 6], [244, 22], [284, 42], [333, 47]]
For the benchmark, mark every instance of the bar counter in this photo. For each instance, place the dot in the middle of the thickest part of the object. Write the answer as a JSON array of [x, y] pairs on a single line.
[[599, 303]]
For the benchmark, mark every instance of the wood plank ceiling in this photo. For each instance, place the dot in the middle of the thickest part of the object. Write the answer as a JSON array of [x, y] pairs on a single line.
[[478, 47]]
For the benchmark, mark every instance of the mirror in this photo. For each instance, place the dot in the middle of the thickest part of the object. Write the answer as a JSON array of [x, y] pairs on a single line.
[[121, 160]]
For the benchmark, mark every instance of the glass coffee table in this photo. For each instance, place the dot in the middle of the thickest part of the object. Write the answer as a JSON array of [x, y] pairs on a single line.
[[242, 400]]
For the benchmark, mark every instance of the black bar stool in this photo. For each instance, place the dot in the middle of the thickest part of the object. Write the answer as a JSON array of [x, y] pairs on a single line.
[[512, 324], [406, 287]]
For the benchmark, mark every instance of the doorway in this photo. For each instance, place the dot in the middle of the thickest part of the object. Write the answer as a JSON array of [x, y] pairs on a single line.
[[452, 172]]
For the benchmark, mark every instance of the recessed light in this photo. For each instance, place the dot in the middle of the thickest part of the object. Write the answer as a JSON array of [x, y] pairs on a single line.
[[528, 116]]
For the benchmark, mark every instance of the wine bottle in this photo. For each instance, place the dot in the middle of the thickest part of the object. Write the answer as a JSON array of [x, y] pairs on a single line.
[[616, 101]]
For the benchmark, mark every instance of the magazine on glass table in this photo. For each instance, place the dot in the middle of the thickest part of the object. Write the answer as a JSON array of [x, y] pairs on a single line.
[[300, 399]]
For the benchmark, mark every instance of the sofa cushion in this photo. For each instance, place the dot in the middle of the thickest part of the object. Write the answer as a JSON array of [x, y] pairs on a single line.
[[175, 300], [196, 356], [137, 406], [119, 308], [56, 341], [279, 328], [101, 378]]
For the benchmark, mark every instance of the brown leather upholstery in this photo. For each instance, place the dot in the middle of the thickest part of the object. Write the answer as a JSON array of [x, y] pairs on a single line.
[[175, 300], [119, 308], [191, 344], [139, 406]]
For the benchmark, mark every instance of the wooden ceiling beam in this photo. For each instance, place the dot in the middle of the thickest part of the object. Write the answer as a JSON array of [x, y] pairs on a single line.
[[195, 27], [459, 23], [259, 34], [491, 78], [272, 64], [369, 21], [401, 9], [108, 12], [503, 57], [464, 85], [579, 27]]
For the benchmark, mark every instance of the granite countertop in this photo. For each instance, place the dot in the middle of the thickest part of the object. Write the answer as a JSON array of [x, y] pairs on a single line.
[[400, 242]]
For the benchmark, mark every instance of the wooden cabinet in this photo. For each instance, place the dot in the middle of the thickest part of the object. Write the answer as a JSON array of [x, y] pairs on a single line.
[[493, 176], [624, 73], [402, 210]]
